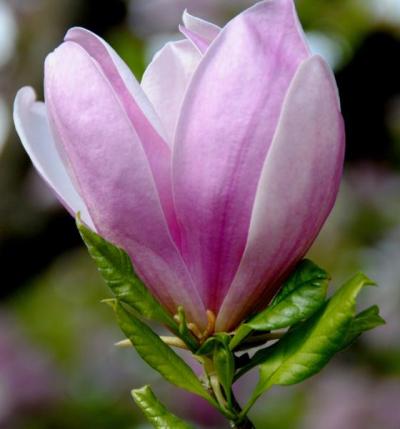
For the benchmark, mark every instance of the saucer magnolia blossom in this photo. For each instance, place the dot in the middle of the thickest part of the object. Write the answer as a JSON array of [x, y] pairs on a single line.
[[215, 173]]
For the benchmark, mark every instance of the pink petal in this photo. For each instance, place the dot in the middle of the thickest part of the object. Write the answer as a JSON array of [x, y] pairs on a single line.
[[109, 164], [228, 120], [200, 32], [198, 42], [207, 30], [296, 192], [166, 80], [30, 118], [139, 110], [119, 74]]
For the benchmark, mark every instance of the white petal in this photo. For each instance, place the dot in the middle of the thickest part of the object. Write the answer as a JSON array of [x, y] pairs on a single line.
[[31, 122], [166, 80]]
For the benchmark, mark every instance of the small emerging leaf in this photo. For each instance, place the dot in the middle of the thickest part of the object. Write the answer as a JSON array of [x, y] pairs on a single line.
[[224, 363], [207, 347], [115, 266], [217, 348], [182, 323], [304, 350], [302, 294], [157, 354], [155, 411]]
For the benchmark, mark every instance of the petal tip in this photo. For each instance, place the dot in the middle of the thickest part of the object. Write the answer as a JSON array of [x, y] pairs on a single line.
[[73, 32], [26, 93], [25, 97], [321, 66], [185, 14]]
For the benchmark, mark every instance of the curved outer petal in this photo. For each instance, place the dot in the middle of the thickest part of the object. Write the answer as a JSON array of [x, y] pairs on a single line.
[[121, 77], [201, 33], [139, 111], [109, 164], [206, 30], [228, 119], [32, 125], [166, 79], [297, 190]]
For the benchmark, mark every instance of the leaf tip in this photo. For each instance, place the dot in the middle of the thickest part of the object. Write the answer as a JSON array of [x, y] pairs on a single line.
[[123, 344], [135, 393], [79, 223], [82, 228], [379, 319], [112, 302], [363, 278]]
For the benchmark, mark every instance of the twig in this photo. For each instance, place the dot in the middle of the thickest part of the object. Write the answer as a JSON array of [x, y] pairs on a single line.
[[171, 341]]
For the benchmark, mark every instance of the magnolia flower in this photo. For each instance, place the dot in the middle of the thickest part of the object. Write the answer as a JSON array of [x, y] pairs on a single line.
[[215, 174]]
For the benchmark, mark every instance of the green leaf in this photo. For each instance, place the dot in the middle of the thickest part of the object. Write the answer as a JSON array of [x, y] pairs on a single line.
[[182, 323], [207, 347], [364, 321], [304, 350], [155, 411], [241, 333], [224, 365], [157, 354], [302, 294], [115, 266], [217, 348]]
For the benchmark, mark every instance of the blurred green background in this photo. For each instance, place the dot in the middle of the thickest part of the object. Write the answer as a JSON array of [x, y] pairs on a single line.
[[58, 366]]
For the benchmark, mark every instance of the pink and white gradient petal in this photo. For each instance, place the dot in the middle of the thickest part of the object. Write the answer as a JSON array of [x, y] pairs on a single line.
[[221, 141], [139, 110], [106, 157], [166, 79], [116, 70], [296, 192]]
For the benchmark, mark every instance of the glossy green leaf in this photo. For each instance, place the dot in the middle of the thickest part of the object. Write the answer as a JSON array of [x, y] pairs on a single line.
[[302, 294], [155, 411], [115, 266], [157, 354], [304, 350], [364, 321]]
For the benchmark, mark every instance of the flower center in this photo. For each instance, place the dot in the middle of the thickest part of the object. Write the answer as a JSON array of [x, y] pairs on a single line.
[[210, 328]]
